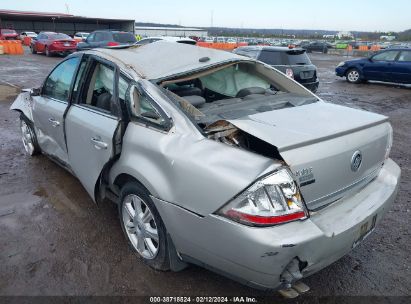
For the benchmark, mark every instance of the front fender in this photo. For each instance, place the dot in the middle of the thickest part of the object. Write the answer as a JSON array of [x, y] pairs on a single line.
[[23, 104]]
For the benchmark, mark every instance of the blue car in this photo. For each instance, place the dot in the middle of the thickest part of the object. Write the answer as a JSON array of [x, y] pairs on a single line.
[[393, 65]]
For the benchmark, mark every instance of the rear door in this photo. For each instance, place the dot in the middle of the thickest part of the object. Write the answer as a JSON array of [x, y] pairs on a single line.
[[380, 66], [93, 121], [402, 68], [49, 108]]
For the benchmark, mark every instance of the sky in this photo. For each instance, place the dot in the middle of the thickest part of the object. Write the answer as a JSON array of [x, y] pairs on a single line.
[[340, 15]]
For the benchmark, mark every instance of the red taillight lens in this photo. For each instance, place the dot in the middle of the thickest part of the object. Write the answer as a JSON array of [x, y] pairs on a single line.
[[272, 200], [265, 220], [112, 43], [289, 73]]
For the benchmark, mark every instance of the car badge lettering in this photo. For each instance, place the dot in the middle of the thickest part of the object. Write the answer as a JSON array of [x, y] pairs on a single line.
[[356, 161]]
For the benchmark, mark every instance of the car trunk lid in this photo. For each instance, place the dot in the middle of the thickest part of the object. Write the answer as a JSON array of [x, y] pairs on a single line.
[[319, 142]]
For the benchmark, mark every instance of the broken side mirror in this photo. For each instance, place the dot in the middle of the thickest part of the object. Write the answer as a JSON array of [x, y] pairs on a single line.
[[35, 92]]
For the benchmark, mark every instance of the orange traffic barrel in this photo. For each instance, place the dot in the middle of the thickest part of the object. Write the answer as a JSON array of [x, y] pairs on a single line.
[[27, 41], [19, 48], [12, 47], [5, 46]]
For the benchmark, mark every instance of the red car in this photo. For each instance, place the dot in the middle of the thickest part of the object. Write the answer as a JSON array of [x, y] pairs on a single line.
[[7, 34], [51, 43]]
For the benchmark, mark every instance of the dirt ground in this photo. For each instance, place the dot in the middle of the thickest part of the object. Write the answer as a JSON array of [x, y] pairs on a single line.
[[55, 241]]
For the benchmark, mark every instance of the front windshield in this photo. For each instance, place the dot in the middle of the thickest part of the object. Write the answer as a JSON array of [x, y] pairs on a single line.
[[233, 79]]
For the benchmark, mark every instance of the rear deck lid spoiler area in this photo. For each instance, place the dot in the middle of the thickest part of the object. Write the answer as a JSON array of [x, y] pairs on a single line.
[[294, 127]]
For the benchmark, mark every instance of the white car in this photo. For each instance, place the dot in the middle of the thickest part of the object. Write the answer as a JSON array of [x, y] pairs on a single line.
[[28, 34], [167, 38]]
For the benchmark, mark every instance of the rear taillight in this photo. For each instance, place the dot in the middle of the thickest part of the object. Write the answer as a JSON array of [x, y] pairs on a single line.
[[289, 73], [113, 43], [272, 200]]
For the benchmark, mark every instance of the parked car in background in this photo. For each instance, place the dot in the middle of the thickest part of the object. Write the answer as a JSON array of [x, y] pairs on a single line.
[[80, 36], [390, 65], [223, 162], [293, 62], [167, 38], [316, 46], [51, 43], [27, 34], [8, 34], [105, 38]]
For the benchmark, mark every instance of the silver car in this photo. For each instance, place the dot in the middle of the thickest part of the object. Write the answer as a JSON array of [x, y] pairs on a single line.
[[215, 159]]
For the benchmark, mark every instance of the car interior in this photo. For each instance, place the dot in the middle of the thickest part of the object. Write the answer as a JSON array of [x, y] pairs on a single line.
[[100, 88], [232, 91]]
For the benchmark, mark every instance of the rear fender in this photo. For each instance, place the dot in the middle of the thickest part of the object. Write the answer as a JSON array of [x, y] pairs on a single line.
[[24, 104]]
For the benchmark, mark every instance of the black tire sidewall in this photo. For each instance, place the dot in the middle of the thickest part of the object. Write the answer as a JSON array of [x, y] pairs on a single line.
[[161, 261], [29, 124]]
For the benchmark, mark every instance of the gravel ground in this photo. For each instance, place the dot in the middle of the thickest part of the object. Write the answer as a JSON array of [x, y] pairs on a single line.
[[55, 241]]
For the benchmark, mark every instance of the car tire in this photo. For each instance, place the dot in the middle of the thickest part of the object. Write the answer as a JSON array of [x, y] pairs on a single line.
[[29, 137], [33, 50], [353, 76], [143, 227], [47, 51]]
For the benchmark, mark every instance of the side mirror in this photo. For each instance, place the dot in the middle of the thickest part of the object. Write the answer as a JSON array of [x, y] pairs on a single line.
[[151, 115], [35, 92]]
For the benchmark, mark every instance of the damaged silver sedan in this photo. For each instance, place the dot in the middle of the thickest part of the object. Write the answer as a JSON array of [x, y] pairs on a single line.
[[215, 159]]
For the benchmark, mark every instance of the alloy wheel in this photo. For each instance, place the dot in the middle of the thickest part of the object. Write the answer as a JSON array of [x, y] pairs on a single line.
[[140, 226], [353, 76]]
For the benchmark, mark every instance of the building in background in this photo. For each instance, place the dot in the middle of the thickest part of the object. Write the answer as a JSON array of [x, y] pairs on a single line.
[[388, 38], [22, 21], [154, 31], [345, 35]]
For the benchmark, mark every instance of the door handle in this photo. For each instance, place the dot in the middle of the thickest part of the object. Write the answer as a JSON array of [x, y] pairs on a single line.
[[54, 122], [98, 143]]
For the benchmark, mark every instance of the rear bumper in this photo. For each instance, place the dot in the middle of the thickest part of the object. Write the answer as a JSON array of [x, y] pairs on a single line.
[[62, 50], [312, 86], [259, 256]]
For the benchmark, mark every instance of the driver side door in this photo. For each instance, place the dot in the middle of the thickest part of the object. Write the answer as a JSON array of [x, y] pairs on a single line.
[[49, 109], [380, 66], [94, 121]]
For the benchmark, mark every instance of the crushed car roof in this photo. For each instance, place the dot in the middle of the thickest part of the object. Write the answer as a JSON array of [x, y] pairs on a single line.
[[162, 59]]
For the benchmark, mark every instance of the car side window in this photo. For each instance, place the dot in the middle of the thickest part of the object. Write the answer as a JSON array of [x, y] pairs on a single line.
[[385, 56], [98, 92], [405, 56], [271, 57], [90, 38], [57, 85], [80, 75], [99, 36], [107, 37]]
